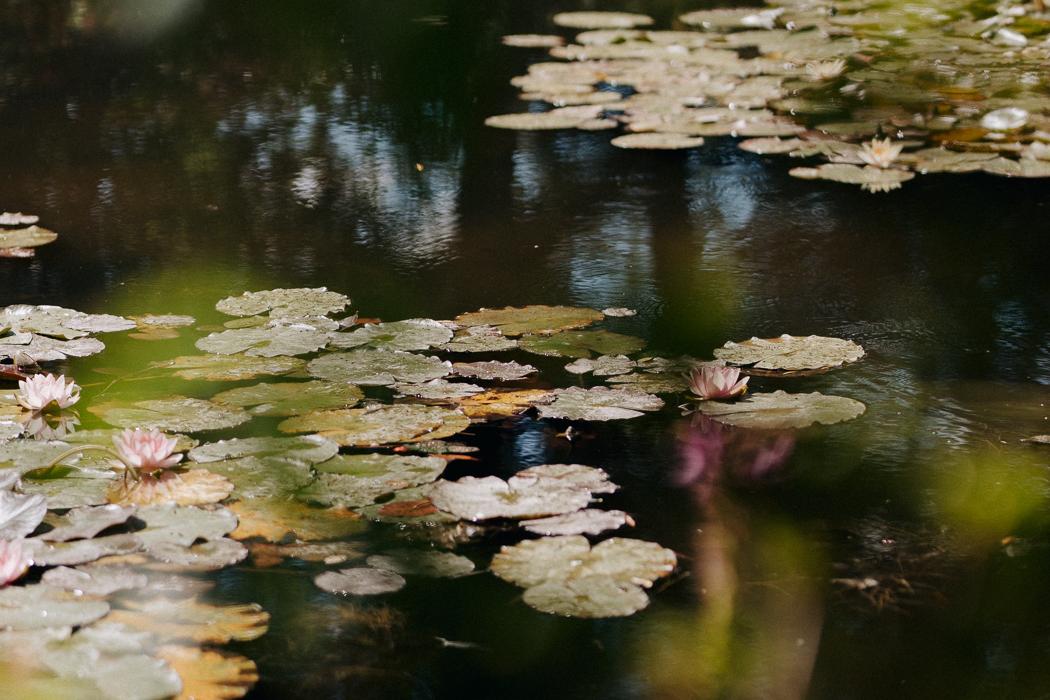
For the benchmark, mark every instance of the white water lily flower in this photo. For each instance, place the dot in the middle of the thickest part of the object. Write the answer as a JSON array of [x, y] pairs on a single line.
[[713, 380], [40, 391], [825, 70], [880, 154], [13, 561], [146, 451]]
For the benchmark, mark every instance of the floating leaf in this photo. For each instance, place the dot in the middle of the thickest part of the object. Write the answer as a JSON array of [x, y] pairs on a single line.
[[408, 507], [791, 353], [480, 339], [197, 622], [38, 606], [95, 580], [205, 556], [354, 481], [378, 367], [582, 344], [57, 322], [583, 522], [604, 366], [177, 413], [657, 141], [503, 404], [17, 218], [410, 562], [533, 41], [780, 410], [264, 477], [503, 371], [149, 321], [413, 334], [599, 403], [572, 476], [271, 341], [210, 675], [536, 320], [359, 581], [538, 121], [83, 551], [364, 427], [78, 488], [284, 303], [290, 398], [870, 178], [27, 347], [31, 237], [601, 20], [85, 522], [265, 554], [522, 496], [438, 390], [566, 576], [183, 525], [305, 450], [195, 487], [229, 368], [19, 514], [277, 519]]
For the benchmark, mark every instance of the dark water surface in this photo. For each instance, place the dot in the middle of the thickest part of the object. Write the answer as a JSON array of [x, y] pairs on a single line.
[[190, 150]]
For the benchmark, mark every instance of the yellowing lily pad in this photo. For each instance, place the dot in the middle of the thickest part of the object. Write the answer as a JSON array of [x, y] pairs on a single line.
[[275, 520], [210, 675], [30, 237], [189, 620]]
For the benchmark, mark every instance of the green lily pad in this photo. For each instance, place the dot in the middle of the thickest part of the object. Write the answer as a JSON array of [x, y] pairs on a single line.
[[378, 367], [582, 344], [83, 551], [271, 341], [438, 390], [148, 321], [381, 425], [20, 514], [566, 576], [177, 413], [30, 237], [38, 606], [306, 450], [355, 481], [205, 556], [503, 371], [532, 493], [781, 410], [229, 368], [103, 437], [480, 339], [27, 455], [359, 581], [536, 320], [184, 525], [583, 522], [290, 398], [791, 353], [263, 477], [78, 488], [604, 366], [599, 403], [413, 334], [85, 522], [651, 383], [95, 580], [24, 348], [57, 322], [410, 562], [409, 507], [284, 303]]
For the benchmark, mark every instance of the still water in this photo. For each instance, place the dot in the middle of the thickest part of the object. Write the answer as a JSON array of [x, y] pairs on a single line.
[[186, 151]]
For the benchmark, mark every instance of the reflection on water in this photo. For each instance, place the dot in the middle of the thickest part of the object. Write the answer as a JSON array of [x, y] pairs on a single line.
[[188, 150]]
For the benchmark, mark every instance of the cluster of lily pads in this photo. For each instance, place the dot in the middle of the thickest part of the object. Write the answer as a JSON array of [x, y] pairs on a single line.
[[366, 410], [880, 92], [20, 236]]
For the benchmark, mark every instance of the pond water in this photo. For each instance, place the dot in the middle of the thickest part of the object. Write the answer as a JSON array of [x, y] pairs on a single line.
[[190, 151]]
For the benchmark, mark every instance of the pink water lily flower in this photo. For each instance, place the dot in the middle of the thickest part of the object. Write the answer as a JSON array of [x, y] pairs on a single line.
[[880, 154], [713, 380], [146, 451], [13, 561], [41, 391]]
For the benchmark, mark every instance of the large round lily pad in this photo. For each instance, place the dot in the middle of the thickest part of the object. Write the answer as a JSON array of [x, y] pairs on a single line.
[[290, 398], [582, 344], [378, 367], [599, 403], [583, 522], [380, 425], [306, 450], [781, 410], [354, 481], [537, 320], [283, 303], [229, 368], [270, 341], [790, 353], [412, 334], [566, 576], [176, 413]]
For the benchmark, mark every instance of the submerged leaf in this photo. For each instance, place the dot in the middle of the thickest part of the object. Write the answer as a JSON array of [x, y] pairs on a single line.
[[410, 562]]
